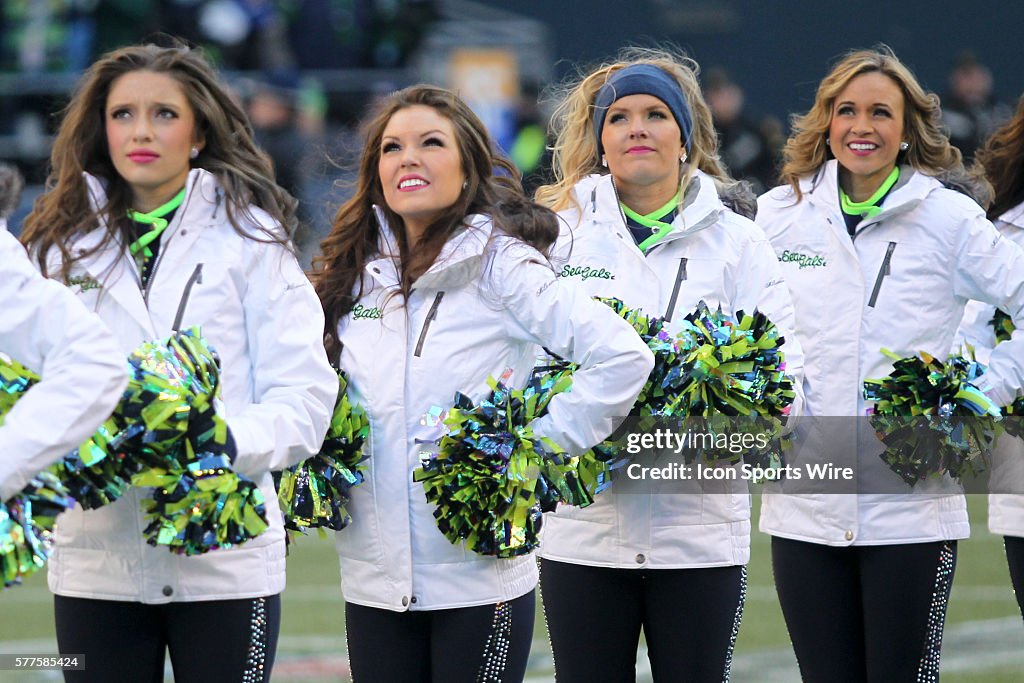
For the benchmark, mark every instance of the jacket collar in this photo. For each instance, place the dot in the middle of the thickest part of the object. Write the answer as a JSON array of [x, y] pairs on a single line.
[[702, 208], [460, 260], [822, 189], [115, 269]]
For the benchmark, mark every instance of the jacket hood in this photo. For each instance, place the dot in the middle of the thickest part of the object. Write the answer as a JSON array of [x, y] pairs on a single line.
[[739, 198], [1014, 216]]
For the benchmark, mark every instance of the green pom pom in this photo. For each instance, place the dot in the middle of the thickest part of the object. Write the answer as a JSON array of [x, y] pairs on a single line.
[[492, 477], [1002, 325], [1014, 425], [716, 365], [198, 502], [314, 493], [26, 527], [931, 391]]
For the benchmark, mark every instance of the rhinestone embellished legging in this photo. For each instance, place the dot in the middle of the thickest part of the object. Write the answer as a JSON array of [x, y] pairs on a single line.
[[865, 614], [690, 618], [209, 642], [485, 644], [1015, 558]]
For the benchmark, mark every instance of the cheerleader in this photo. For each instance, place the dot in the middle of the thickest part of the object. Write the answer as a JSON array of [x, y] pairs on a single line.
[[434, 278], [654, 220], [162, 214], [881, 247]]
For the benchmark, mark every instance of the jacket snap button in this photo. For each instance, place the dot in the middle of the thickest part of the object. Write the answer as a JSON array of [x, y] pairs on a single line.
[[413, 600], [405, 601], [849, 535], [640, 559], [168, 591]]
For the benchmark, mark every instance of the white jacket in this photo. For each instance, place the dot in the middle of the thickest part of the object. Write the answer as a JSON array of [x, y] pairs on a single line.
[[260, 313], [81, 367], [479, 311], [1005, 511], [714, 255], [901, 284]]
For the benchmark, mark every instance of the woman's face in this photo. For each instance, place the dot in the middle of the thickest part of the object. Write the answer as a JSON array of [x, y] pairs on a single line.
[[151, 130], [642, 144], [420, 166], [866, 131]]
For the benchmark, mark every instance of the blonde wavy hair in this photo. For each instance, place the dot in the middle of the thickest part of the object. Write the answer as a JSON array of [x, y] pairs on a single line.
[[575, 149], [930, 151]]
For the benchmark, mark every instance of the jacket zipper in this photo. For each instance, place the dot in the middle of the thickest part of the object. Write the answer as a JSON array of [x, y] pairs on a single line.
[[680, 277], [197, 276], [431, 314], [163, 250], [882, 273]]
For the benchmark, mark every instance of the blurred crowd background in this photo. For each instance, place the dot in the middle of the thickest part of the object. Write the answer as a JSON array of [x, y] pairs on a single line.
[[306, 70]]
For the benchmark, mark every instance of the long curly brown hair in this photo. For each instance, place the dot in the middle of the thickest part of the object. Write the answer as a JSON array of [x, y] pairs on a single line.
[[929, 152], [1002, 161], [492, 189], [244, 171]]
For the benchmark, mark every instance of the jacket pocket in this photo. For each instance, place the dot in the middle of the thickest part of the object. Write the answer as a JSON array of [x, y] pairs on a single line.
[[680, 277], [431, 314], [882, 273]]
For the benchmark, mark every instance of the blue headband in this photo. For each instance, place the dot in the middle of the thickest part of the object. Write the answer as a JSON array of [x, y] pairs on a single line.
[[643, 79]]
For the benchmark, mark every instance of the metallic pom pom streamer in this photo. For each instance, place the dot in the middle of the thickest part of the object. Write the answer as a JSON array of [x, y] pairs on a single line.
[[198, 503], [716, 367], [314, 493], [1013, 422], [15, 380], [165, 433], [932, 392], [26, 527], [27, 518], [492, 477], [1002, 325]]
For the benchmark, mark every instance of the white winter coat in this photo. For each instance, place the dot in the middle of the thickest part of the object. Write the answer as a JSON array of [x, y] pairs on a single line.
[[479, 311], [901, 284], [1005, 511], [82, 370], [258, 310], [712, 254]]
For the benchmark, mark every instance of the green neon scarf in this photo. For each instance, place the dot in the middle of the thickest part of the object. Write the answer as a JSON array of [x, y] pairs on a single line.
[[157, 220]]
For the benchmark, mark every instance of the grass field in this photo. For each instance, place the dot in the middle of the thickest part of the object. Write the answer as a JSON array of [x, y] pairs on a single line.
[[984, 640]]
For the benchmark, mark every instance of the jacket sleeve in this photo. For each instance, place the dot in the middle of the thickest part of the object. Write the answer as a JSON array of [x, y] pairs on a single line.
[[990, 268], [82, 369], [294, 387], [614, 363], [759, 284]]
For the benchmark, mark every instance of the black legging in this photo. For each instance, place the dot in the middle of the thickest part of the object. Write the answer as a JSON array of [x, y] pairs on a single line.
[[485, 644], [209, 642], [1015, 558], [865, 613], [690, 618]]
